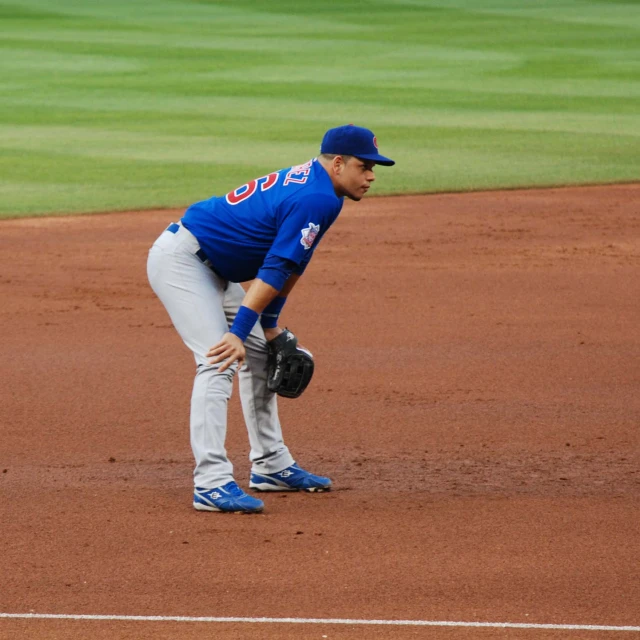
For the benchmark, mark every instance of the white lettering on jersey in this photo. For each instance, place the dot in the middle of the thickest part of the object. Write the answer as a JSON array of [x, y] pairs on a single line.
[[298, 174]]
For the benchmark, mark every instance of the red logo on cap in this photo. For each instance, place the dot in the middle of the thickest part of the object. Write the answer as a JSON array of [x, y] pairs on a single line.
[[375, 142]]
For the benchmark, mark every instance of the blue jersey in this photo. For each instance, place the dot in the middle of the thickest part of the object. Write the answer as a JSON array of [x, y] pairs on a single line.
[[269, 227]]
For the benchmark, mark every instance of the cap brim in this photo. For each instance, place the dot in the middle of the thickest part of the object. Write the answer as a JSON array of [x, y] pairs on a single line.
[[378, 159]]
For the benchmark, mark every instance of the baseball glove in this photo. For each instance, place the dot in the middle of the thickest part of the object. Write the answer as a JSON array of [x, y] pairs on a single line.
[[289, 367]]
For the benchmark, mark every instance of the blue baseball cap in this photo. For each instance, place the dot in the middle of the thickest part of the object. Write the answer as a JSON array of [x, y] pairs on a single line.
[[350, 140]]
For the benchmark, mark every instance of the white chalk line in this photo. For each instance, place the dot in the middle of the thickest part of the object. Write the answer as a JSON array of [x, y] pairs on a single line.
[[408, 623]]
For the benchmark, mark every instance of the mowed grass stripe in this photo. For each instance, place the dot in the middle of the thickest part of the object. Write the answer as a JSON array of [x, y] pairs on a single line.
[[135, 104]]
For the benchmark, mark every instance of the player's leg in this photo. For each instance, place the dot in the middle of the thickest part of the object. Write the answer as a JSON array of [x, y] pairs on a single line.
[[273, 467], [259, 405], [193, 296]]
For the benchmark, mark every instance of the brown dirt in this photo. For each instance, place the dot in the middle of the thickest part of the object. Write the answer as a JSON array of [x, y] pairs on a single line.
[[475, 401]]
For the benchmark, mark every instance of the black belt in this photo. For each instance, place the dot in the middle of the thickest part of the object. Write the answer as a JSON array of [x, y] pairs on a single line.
[[200, 254], [203, 257]]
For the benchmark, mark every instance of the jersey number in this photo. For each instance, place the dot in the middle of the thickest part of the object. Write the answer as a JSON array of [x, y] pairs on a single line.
[[247, 190]]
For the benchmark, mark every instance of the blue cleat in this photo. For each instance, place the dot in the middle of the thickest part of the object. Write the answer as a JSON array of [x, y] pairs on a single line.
[[229, 498], [292, 478]]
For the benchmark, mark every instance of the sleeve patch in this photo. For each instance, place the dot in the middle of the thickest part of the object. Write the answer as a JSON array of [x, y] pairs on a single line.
[[309, 235]]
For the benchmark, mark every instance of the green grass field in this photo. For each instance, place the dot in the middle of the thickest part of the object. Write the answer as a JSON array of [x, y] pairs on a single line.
[[146, 103]]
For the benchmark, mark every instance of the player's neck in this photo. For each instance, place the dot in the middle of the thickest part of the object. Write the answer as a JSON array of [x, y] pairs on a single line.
[[328, 167]]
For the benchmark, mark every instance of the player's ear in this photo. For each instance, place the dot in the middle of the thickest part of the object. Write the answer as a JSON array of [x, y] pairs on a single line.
[[338, 165]]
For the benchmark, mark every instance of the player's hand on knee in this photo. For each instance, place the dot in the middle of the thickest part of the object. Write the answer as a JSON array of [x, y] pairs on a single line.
[[230, 348]]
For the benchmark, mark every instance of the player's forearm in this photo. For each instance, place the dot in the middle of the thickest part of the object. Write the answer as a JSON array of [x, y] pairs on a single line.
[[288, 285], [271, 313], [259, 295]]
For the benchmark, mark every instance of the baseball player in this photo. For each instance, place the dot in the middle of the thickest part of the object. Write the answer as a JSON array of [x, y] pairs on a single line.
[[265, 231]]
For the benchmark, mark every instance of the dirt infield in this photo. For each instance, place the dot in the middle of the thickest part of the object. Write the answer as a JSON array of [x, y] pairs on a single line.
[[476, 401]]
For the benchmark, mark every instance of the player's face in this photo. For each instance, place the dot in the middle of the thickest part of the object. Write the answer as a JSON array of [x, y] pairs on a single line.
[[354, 177]]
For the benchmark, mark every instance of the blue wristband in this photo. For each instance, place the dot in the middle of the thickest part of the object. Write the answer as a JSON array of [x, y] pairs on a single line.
[[269, 317], [245, 321]]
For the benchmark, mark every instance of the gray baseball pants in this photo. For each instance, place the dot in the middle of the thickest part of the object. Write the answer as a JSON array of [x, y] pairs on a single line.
[[202, 307]]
